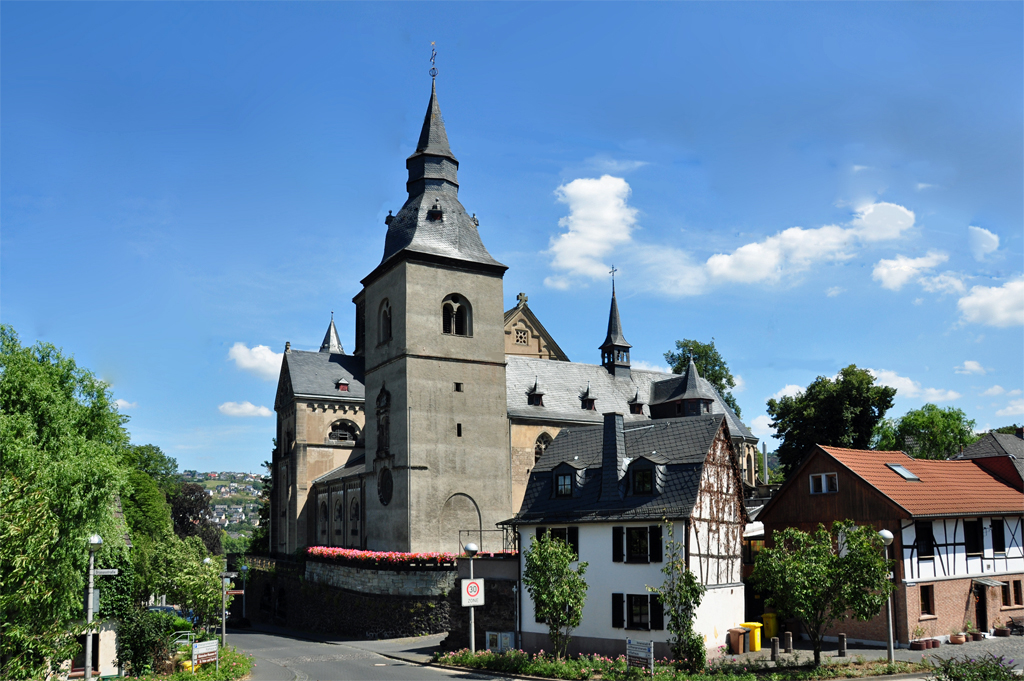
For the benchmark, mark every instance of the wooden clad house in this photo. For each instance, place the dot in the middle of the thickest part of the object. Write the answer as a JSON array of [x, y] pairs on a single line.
[[957, 528]]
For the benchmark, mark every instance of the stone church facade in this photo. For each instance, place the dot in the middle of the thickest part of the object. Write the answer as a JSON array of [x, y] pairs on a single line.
[[430, 428]]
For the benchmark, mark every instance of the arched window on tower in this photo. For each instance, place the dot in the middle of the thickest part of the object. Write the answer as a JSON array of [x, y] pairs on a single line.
[[456, 316], [538, 449], [343, 431], [385, 321]]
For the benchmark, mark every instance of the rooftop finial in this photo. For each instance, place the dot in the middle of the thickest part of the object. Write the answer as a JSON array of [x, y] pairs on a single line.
[[433, 56], [612, 272]]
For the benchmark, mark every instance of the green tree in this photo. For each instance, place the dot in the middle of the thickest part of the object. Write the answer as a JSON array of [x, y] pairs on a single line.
[[189, 581], [838, 413], [710, 365], [190, 511], [820, 577], [150, 460], [927, 433], [558, 590], [680, 595], [145, 507], [61, 441], [1007, 430], [259, 544]]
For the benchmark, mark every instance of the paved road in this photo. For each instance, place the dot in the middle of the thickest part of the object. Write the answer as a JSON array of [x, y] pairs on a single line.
[[280, 657]]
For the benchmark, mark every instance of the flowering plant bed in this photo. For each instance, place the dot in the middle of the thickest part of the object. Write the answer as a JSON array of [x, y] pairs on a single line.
[[595, 667], [386, 560]]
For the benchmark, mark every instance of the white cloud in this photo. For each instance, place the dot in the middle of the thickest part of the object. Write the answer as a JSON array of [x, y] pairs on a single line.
[[924, 185], [606, 164], [1015, 408], [907, 387], [740, 386], [834, 291], [649, 366], [599, 220], [788, 391], [243, 409], [982, 241], [857, 169], [893, 274], [995, 305], [1014, 392], [761, 427], [882, 221], [947, 282], [259, 360], [601, 224], [995, 390], [970, 367], [125, 404], [918, 301]]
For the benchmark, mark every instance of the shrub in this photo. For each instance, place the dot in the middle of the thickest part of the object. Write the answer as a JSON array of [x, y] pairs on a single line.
[[144, 641], [985, 667]]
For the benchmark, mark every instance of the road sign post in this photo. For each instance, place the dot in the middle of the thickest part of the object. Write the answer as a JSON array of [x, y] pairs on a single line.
[[206, 651], [640, 654]]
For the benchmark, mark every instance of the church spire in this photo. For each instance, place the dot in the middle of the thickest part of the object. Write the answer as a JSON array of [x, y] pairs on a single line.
[[332, 343], [615, 349], [432, 165]]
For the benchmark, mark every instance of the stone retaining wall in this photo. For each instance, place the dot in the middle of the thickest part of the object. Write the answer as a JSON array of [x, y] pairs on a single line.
[[433, 582]]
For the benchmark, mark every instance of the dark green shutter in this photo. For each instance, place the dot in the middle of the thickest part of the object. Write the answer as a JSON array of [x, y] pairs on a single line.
[[657, 613], [654, 543], [617, 533], [618, 611]]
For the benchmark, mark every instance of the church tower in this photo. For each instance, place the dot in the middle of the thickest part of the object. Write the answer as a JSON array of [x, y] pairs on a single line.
[[430, 325]]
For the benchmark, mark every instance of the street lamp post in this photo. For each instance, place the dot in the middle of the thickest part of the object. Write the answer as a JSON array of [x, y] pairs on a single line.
[[94, 543], [886, 536], [245, 574], [471, 550]]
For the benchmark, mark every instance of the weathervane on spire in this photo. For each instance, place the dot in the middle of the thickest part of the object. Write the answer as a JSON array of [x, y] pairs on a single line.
[[433, 56]]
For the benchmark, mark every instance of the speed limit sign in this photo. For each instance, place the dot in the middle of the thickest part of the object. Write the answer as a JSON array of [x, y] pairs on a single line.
[[472, 592]]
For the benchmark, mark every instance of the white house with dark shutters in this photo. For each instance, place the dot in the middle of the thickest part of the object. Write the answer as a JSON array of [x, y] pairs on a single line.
[[605, 490]]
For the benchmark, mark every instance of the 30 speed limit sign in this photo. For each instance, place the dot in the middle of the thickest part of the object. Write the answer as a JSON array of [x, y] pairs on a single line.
[[472, 592]]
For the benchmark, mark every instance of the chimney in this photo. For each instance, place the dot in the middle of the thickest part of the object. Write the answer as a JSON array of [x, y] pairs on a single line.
[[1020, 433], [613, 451], [764, 460]]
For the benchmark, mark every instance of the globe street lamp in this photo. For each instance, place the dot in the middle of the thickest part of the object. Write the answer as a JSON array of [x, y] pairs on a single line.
[[94, 542], [887, 537], [471, 550]]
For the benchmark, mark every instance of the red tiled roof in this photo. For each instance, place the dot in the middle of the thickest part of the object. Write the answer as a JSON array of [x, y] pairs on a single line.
[[946, 487]]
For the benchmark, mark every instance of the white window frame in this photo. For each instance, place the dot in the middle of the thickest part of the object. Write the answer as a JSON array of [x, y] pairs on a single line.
[[823, 482]]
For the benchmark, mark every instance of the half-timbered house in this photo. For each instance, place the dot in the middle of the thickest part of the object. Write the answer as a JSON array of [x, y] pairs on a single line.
[[957, 528], [606, 491]]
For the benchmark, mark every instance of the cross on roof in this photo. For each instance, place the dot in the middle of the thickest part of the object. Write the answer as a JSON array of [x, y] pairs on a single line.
[[522, 298]]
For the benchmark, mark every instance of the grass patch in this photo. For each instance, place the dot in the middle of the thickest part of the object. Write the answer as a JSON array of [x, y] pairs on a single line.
[[724, 669]]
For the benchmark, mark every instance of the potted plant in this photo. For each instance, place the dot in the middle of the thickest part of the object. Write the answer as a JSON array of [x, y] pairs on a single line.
[[1003, 630], [934, 642], [956, 638], [917, 643]]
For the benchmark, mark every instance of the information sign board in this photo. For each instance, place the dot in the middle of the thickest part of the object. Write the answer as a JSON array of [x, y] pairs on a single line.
[[105, 572], [472, 592], [204, 652], [640, 654], [235, 592]]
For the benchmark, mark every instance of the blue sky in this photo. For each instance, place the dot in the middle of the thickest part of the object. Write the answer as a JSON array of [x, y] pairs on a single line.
[[811, 184]]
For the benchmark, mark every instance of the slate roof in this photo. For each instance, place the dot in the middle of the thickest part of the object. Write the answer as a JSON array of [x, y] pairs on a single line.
[[563, 383], [679, 445], [995, 444], [316, 374], [945, 487]]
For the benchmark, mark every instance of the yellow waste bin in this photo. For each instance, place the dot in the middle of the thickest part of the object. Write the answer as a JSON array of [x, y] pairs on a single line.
[[755, 635], [771, 625]]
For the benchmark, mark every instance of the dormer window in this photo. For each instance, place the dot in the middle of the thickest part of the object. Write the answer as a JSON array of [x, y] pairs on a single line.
[[588, 403], [342, 385], [563, 485], [535, 400], [636, 409], [643, 481]]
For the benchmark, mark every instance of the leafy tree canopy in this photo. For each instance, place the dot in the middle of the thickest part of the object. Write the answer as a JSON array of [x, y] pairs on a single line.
[[145, 507], [840, 413], [260, 542], [821, 576], [190, 510], [558, 590], [61, 440], [1007, 430], [710, 364], [153, 462], [927, 433]]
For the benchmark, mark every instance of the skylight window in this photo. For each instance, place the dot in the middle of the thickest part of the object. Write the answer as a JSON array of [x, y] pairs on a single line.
[[904, 473]]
